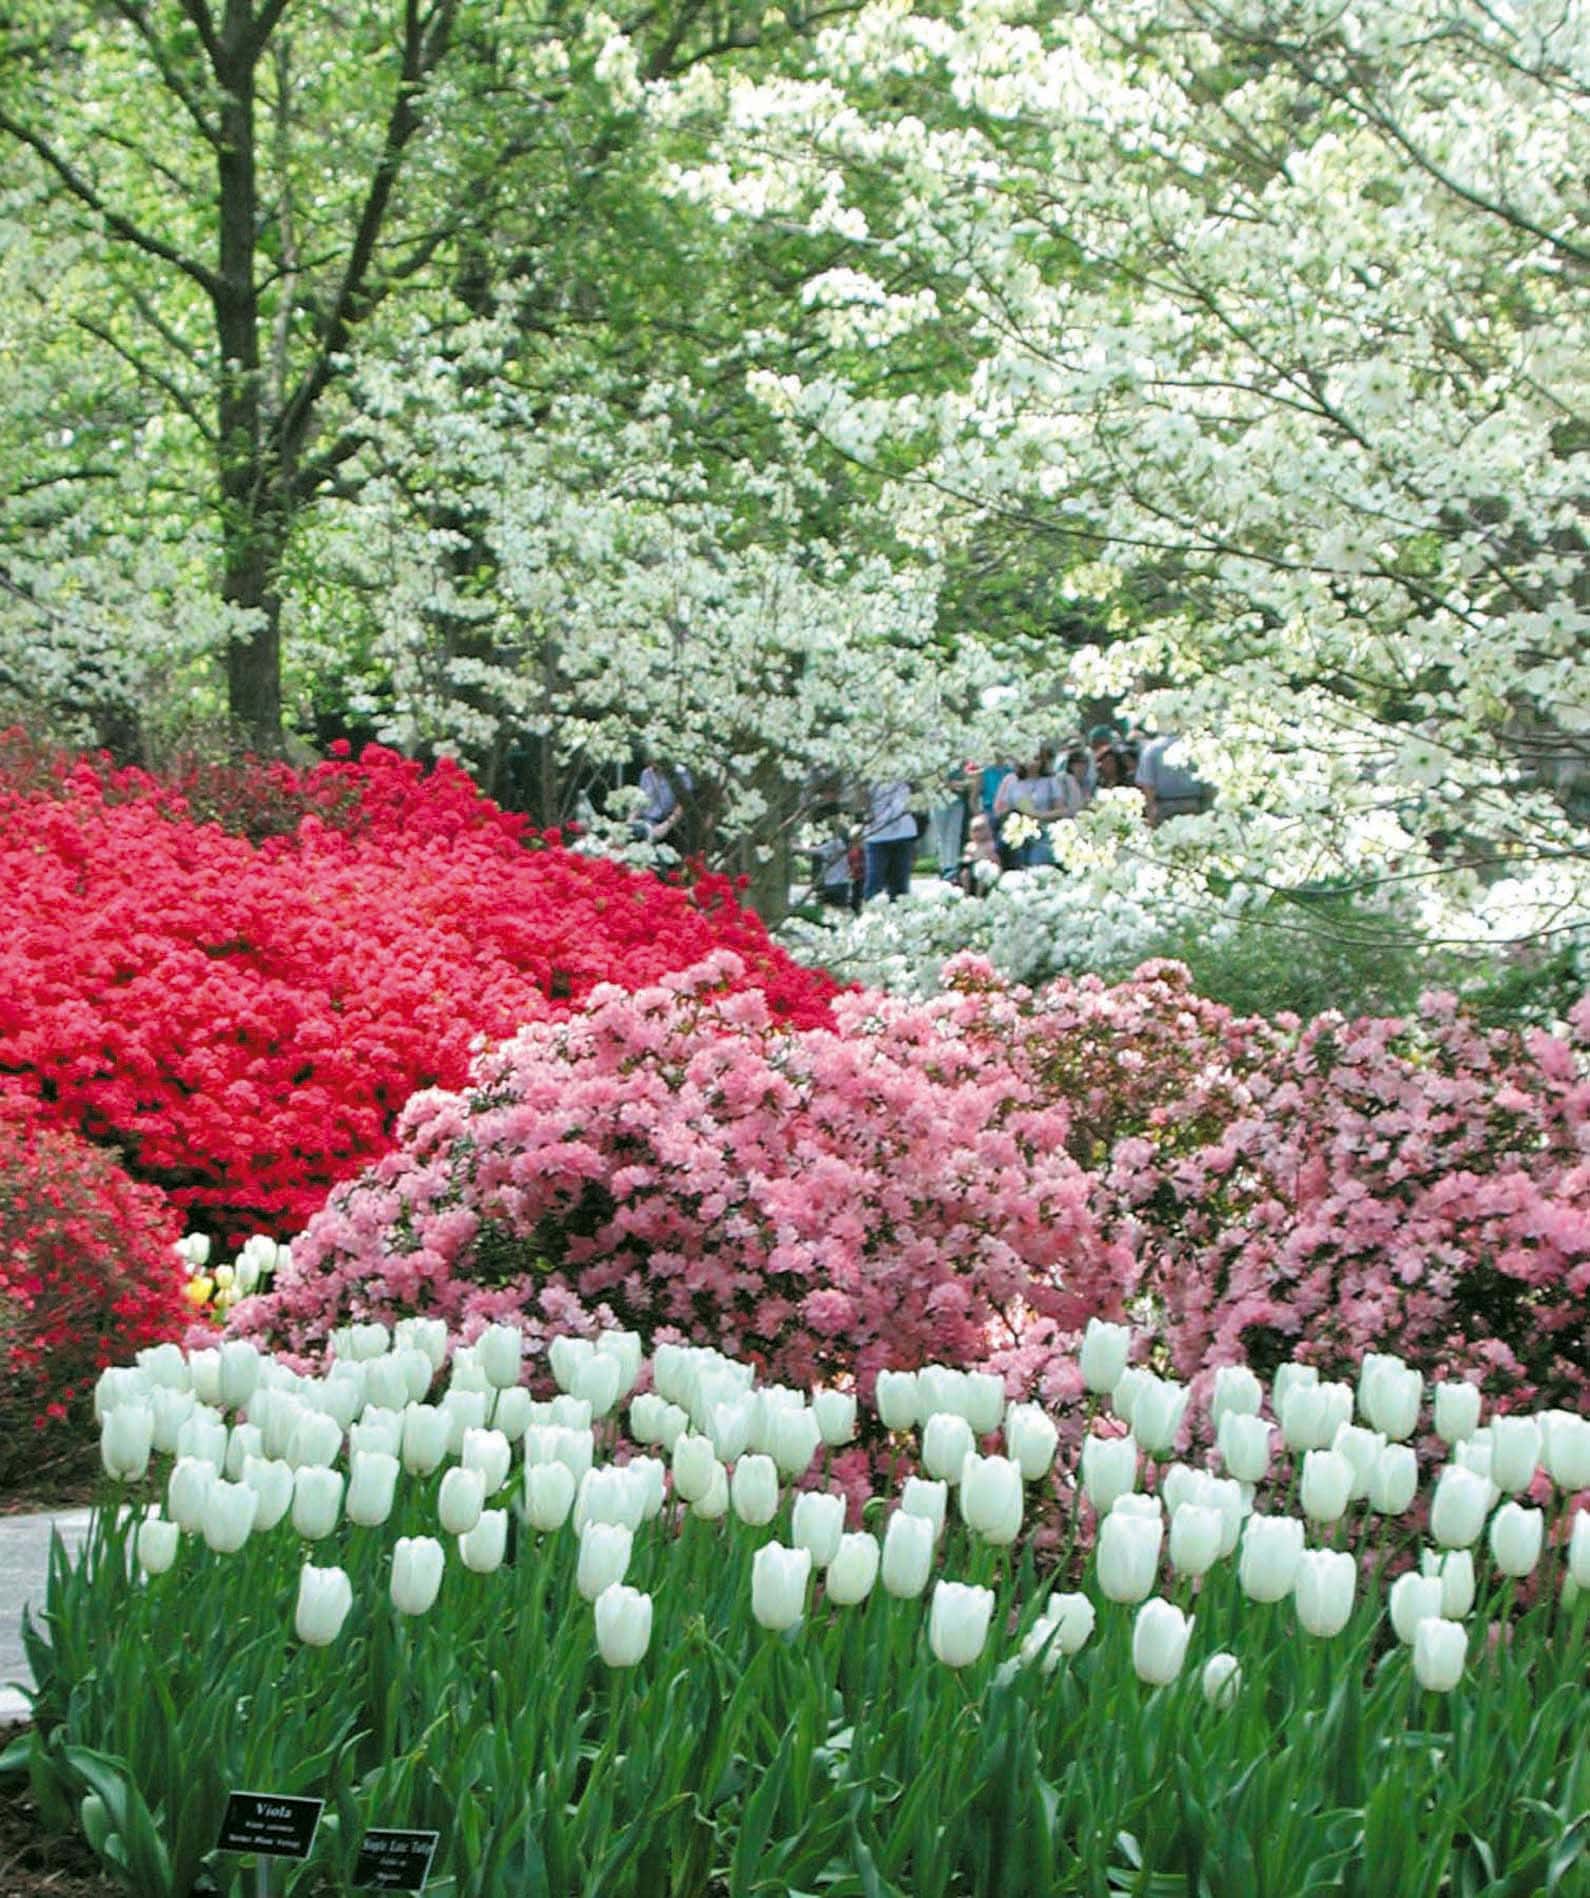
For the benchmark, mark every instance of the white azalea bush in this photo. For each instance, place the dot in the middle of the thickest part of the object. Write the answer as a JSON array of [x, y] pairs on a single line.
[[1031, 925], [630, 1638]]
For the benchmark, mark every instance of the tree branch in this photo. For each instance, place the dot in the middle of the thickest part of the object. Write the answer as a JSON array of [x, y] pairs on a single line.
[[115, 223], [424, 45], [137, 17], [149, 373]]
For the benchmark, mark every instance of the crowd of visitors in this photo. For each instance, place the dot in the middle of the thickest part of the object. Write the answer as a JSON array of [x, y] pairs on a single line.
[[982, 820]]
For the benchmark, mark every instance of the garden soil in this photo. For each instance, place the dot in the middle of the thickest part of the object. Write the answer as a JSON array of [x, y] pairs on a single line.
[[33, 1862]]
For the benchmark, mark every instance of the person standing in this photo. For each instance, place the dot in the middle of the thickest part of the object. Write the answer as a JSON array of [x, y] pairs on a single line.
[[890, 836], [1170, 786]]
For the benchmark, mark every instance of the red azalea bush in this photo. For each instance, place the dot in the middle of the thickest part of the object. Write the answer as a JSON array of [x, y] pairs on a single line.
[[244, 1019], [885, 1191], [88, 1275]]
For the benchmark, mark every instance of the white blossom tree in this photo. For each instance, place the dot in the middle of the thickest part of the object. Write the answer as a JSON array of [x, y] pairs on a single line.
[[1275, 322]]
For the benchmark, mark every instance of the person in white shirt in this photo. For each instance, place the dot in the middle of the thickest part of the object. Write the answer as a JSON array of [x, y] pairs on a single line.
[[890, 837]]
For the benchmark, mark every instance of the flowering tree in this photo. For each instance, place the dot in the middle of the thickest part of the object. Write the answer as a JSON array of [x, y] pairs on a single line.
[[1276, 351]]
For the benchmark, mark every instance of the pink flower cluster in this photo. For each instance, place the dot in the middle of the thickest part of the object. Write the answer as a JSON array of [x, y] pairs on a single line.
[[1420, 1186], [820, 1200], [971, 1178]]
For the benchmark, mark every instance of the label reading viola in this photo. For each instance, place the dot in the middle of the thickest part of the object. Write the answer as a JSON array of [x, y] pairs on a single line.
[[271, 1825], [393, 1860]]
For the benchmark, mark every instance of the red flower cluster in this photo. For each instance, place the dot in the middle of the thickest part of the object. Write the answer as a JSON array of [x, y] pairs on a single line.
[[87, 1274], [244, 1018]]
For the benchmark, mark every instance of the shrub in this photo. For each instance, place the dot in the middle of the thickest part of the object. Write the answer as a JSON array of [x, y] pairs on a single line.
[[977, 1174], [87, 1275], [887, 1190], [1419, 1183], [244, 1019]]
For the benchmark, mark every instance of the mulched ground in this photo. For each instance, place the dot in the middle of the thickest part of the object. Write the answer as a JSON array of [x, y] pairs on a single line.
[[66, 1479], [33, 1863]]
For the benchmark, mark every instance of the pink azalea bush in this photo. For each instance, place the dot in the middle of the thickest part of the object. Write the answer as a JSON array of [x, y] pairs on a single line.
[[972, 1177], [820, 1200], [1418, 1185]]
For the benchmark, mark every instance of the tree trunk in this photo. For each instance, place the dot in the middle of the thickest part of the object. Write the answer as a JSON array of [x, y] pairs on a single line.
[[253, 521]]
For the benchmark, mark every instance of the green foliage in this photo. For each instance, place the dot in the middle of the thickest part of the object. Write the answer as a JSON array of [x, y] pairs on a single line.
[[1305, 955]]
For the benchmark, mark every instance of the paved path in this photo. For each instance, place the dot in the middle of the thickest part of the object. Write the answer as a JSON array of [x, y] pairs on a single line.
[[24, 1558]]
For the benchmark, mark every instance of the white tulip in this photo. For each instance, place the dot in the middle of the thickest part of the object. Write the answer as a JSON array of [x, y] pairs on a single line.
[[187, 1489], [1104, 1353], [482, 1548], [425, 1431], [490, 1455], [623, 1625], [693, 1463], [317, 1501], [1324, 1587], [372, 1485], [1362, 1450], [1413, 1598], [946, 1444], [1159, 1642], [324, 1597], [984, 1403], [272, 1481], [548, 1495], [1515, 1452], [1394, 1481], [816, 1524], [1157, 1413], [125, 1440], [1516, 1538], [898, 1400], [1236, 1393], [1272, 1547], [853, 1570], [958, 1622], [500, 1349], [795, 1438], [1221, 1679], [417, 1565], [1457, 1411], [835, 1412], [1196, 1533], [714, 1505], [1462, 1502], [1245, 1445], [1031, 1438], [921, 1496], [604, 1557], [460, 1501], [157, 1544], [1440, 1648], [1455, 1570], [991, 1498], [753, 1490], [1126, 1555], [907, 1555], [230, 1510], [1566, 1449], [778, 1585], [1327, 1483]]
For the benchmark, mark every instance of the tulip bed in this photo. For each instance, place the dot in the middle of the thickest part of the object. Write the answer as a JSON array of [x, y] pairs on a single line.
[[631, 1640]]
